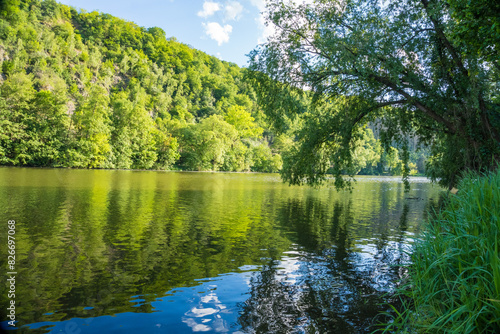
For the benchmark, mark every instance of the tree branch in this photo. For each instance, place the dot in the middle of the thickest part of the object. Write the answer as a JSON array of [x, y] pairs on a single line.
[[440, 33], [380, 105], [416, 34], [422, 107]]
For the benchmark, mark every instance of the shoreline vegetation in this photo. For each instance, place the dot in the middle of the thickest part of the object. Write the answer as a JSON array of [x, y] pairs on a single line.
[[329, 176], [89, 90], [453, 284]]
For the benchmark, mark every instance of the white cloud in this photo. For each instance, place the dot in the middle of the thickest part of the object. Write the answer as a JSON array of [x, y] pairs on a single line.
[[232, 11], [269, 29], [209, 9], [260, 4], [266, 30], [217, 32]]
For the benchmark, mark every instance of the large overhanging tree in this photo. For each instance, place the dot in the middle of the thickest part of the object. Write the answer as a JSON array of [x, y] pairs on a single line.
[[424, 68]]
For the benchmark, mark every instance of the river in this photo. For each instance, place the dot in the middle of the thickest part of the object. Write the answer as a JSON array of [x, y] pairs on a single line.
[[107, 251]]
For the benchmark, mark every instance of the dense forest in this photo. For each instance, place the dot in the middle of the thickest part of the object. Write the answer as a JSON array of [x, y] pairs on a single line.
[[89, 90]]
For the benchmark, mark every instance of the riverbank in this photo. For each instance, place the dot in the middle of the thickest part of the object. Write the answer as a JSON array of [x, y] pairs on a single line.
[[454, 281]]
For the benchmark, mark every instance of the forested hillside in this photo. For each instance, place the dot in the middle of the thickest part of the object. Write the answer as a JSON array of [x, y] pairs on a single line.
[[89, 90]]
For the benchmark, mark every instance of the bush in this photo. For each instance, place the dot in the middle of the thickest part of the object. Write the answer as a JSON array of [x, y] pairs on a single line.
[[454, 281]]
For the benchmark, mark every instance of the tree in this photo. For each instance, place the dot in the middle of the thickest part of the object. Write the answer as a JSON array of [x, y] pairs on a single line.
[[478, 27], [16, 94], [264, 160], [401, 62], [205, 144], [166, 146], [366, 153], [391, 162], [90, 90], [91, 122], [47, 129], [8, 8], [243, 121]]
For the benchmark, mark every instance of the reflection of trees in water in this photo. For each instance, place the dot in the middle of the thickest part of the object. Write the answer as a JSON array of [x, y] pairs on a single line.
[[100, 244], [328, 286], [271, 307], [320, 300], [107, 238]]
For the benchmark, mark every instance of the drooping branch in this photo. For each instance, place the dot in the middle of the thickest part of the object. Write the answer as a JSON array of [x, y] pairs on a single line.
[[378, 106]]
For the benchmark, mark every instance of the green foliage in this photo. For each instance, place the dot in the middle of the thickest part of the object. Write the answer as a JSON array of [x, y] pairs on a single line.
[[243, 122], [366, 152], [404, 65], [454, 281], [47, 129], [92, 131], [205, 145], [167, 147], [16, 93], [7, 67], [264, 160], [477, 27], [90, 90], [33, 124], [8, 8], [392, 161]]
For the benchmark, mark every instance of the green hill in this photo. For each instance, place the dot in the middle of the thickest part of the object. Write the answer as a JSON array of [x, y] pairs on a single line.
[[90, 90]]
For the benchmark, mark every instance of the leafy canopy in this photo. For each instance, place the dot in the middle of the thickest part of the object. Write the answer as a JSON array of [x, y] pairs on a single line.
[[404, 65]]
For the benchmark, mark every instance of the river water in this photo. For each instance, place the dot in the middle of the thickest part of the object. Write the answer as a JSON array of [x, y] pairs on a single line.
[[103, 251]]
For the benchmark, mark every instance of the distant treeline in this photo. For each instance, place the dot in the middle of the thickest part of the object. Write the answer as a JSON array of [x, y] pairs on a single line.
[[89, 90]]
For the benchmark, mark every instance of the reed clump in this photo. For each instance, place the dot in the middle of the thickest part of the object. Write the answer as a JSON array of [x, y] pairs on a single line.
[[454, 280]]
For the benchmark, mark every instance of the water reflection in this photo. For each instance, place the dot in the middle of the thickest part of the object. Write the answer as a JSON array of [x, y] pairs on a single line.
[[334, 282], [123, 252]]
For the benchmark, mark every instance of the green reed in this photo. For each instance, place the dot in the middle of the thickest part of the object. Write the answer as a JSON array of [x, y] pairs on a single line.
[[454, 281]]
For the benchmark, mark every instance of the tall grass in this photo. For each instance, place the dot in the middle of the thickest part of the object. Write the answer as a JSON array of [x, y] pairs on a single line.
[[454, 281]]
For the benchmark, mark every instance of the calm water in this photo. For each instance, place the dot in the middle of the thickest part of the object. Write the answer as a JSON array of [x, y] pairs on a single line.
[[101, 251]]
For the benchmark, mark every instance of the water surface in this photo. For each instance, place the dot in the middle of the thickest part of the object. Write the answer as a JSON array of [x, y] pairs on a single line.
[[102, 251]]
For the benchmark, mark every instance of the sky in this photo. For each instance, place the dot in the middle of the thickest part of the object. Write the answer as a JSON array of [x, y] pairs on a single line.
[[227, 29]]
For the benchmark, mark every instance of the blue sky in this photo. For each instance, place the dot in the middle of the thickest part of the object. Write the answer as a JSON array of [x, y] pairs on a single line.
[[227, 29]]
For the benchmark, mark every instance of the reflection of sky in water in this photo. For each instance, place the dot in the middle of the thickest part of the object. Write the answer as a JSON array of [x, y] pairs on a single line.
[[207, 314], [215, 304], [210, 307]]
